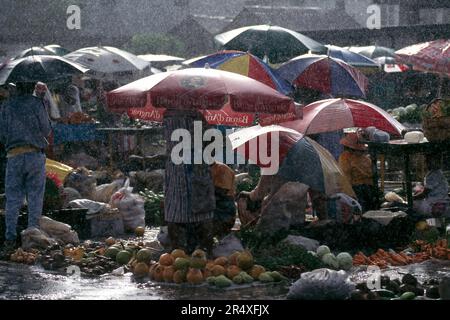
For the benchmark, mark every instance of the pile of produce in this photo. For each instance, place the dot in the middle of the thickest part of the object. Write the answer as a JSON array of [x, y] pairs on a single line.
[[408, 288], [343, 261], [410, 114], [438, 250], [177, 267], [287, 258], [89, 258], [424, 251], [21, 256]]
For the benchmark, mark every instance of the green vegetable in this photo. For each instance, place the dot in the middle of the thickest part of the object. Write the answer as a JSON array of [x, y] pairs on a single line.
[[322, 250], [265, 277], [385, 293], [345, 260], [330, 260], [222, 282], [154, 213], [408, 296]]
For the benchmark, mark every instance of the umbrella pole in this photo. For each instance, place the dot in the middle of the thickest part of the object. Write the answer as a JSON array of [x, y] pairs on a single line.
[[382, 171], [441, 82]]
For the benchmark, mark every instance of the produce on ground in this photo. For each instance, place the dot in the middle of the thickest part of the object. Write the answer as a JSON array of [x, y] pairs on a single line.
[[424, 251]]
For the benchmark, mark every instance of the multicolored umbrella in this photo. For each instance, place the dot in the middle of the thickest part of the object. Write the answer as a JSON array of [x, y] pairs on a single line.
[[224, 98], [433, 56], [325, 74], [243, 63], [39, 68], [352, 58], [300, 159], [277, 43], [336, 114]]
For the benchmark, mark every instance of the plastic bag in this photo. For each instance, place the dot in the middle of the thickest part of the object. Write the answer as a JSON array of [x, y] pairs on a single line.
[[104, 192], [130, 205], [83, 181], [322, 284], [59, 231], [33, 238]]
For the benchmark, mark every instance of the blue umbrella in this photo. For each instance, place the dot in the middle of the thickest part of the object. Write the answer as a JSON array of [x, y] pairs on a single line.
[[352, 58]]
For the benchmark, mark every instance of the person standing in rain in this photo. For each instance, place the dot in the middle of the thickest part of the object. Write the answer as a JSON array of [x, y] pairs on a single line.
[[190, 201], [24, 128]]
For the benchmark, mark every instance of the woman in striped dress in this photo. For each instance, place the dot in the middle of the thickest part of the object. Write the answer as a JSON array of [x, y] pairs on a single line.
[[189, 189]]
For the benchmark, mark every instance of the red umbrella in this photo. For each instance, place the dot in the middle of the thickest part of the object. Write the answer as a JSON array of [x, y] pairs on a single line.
[[223, 97], [335, 114], [433, 56]]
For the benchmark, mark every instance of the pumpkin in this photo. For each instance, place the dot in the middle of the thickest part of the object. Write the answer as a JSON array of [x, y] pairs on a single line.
[[179, 276], [194, 276], [245, 260], [233, 271], [168, 274], [140, 270], [218, 271], [178, 253], [166, 259], [233, 258], [221, 261], [158, 273], [256, 271]]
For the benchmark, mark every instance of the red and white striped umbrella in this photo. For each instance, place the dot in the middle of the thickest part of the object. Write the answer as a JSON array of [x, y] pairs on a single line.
[[433, 56], [335, 114]]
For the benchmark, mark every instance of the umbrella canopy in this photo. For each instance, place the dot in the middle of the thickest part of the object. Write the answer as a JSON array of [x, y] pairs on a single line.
[[325, 74], [243, 63], [336, 114], [57, 49], [301, 159], [35, 51], [277, 43], [109, 61], [431, 56], [223, 97], [373, 52], [39, 68], [352, 58]]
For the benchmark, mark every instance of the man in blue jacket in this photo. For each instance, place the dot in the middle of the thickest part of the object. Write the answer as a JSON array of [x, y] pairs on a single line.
[[24, 128]]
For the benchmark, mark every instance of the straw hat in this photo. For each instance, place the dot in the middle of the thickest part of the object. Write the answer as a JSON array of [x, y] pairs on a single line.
[[351, 141]]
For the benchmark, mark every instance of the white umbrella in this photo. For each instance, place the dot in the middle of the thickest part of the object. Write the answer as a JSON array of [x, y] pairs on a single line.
[[105, 62]]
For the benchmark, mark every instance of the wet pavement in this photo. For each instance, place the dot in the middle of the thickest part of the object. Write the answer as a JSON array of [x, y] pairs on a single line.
[[25, 282]]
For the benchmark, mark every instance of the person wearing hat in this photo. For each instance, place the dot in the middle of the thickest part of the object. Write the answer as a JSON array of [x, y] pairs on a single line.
[[357, 167]]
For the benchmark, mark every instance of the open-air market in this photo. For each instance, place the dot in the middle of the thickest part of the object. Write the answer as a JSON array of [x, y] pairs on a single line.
[[247, 150]]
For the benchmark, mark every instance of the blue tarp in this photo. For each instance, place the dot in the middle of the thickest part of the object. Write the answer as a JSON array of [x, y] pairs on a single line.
[[76, 133]]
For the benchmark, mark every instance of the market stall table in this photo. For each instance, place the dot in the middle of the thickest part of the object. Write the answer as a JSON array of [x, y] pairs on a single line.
[[406, 149], [140, 133]]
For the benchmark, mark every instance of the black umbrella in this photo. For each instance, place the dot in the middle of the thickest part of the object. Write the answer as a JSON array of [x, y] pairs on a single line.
[[38, 68], [277, 43]]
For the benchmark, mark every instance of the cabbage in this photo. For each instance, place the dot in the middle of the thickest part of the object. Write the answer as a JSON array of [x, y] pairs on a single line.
[[312, 253], [322, 250], [401, 111], [330, 260], [345, 260]]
